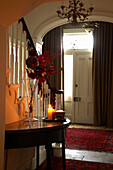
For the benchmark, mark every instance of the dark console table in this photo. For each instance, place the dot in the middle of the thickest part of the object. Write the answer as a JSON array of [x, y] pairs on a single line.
[[23, 134]]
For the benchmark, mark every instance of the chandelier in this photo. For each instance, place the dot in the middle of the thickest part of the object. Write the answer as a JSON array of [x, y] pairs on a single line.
[[74, 12]]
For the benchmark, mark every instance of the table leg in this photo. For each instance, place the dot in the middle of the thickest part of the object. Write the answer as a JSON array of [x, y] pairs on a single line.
[[63, 155], [37, 157], [48, 155]]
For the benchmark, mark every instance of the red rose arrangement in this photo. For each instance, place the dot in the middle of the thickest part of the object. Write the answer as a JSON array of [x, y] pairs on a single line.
[[39, 67]]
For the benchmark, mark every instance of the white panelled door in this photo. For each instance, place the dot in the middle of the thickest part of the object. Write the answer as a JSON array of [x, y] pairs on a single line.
[[83, 107]]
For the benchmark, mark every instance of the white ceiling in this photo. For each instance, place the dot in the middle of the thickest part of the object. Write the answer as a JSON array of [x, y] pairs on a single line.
[[41, 17]]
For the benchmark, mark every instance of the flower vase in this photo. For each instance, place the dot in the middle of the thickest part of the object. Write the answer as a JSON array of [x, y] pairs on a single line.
[[31, 87], [31, 110], [30, 114]]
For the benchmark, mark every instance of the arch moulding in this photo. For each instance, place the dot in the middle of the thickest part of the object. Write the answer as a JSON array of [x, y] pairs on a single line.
[[54, 22]]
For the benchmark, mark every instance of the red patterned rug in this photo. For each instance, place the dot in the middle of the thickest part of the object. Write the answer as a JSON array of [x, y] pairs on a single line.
[[89, 139], [56, 164]]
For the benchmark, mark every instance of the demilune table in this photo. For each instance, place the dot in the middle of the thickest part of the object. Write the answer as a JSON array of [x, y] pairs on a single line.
[[23, 134]]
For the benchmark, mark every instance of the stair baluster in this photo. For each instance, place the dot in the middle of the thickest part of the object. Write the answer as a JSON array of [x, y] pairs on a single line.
[[17, 52], [16, 60]]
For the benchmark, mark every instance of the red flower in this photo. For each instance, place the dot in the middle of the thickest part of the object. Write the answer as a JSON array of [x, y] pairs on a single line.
[[44, 73], [40, 58], [51, 70], [46, 54], [42, 79], [43, 63], [38, 67], [49, 60], [32, 75], [31, 62], [33, 52]]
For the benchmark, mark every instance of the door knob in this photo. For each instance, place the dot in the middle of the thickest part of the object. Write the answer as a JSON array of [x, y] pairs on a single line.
[[76, 85]]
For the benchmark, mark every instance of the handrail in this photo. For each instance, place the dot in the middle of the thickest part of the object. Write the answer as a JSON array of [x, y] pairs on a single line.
[[25, 28]]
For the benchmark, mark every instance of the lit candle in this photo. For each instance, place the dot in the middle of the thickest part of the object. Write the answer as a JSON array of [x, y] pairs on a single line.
[[53, 113], [50, 112]]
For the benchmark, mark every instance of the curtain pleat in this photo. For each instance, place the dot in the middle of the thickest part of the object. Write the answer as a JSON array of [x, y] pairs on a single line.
[[103, 74], [52, 42]]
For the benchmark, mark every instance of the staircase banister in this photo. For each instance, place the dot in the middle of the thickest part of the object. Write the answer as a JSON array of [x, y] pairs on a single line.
[[25, 28]]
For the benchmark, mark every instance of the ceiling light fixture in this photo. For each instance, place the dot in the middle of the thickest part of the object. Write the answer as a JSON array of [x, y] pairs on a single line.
[[74, 12], [89, 26]]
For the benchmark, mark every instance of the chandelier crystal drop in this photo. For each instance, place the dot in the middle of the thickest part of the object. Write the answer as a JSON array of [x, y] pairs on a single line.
[[74, 12]]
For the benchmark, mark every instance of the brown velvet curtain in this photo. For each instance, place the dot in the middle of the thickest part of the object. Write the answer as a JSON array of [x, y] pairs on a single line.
[[103, 74], [52, 41]]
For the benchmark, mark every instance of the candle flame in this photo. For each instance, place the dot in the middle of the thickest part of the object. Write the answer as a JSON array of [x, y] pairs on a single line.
[[50, 107]]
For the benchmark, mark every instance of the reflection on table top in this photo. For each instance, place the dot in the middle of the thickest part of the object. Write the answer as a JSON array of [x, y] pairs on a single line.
[[39, 124]]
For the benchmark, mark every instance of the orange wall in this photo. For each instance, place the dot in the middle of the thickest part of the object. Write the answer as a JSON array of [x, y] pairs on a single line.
[[2, 92]]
